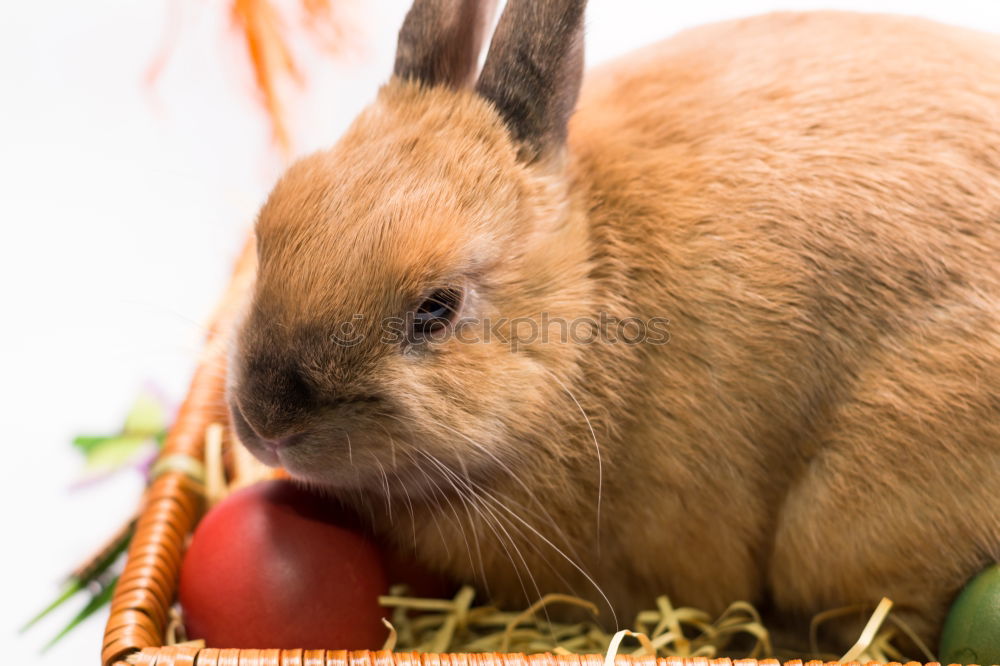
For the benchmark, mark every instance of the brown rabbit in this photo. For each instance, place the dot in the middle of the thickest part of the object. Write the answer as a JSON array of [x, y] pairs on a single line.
[[458, 319]]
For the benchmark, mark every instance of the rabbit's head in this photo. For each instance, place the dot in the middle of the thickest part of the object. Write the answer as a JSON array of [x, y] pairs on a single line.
[[408, 278]]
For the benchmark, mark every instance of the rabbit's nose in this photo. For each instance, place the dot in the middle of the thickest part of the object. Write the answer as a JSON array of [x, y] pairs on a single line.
[[271, 432], [283, 442]]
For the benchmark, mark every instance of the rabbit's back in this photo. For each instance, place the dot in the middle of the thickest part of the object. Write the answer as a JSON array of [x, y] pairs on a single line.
[[813, 180], [865, 124], [813, 201]]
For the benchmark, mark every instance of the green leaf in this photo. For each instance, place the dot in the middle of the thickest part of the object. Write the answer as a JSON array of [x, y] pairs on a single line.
[[96, 568], [87, 443], [116, 451], [147, 417], [146, 421], [96, 602], [70, 589]]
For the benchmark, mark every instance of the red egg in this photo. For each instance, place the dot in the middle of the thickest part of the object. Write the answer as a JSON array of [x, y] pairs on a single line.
[[274, 566], [419, 581]]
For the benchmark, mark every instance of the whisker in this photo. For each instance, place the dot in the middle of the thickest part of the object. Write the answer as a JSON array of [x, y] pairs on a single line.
[[500, 522], [499, 500], [597, 449], [458, 492], [409, 507], [547, 517], [437, 504], [475, 533], [500, 539], [471, 523], [388, 492], [559, 551], [492, 517]]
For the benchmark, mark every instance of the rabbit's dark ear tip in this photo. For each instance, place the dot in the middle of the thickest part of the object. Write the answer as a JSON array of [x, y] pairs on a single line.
[[533, 71], [440, 41]]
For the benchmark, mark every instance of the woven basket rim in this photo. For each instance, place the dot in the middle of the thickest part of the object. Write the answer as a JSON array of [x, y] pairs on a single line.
[[212, 656]]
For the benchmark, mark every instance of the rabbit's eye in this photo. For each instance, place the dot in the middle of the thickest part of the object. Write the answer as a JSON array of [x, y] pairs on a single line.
[[438, 311]]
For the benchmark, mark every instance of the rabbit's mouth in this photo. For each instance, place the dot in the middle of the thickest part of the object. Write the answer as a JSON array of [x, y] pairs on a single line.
[[372, 463], [371, 451], [408, 480]]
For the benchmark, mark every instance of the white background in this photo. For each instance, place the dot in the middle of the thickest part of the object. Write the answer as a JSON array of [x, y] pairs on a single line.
[[122, 207]]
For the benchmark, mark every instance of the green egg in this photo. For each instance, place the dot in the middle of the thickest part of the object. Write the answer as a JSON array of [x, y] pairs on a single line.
[[971, 633]]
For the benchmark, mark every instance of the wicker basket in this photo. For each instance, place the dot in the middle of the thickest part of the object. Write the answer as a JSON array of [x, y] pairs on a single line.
[[171, 506]]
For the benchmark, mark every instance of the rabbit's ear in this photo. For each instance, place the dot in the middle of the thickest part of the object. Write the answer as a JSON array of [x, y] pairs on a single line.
[[440, 41], [533, 71]]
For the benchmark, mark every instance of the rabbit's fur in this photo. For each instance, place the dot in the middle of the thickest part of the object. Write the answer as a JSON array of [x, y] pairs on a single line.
[[811, 200]]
